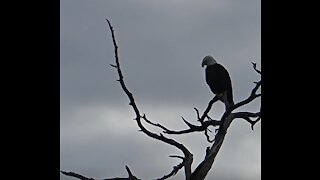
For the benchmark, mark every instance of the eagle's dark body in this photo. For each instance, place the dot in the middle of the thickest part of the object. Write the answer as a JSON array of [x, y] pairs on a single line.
[[218, 79]]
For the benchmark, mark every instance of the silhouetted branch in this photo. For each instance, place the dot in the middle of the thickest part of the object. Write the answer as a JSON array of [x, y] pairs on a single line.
[[113, 66], [252, 96], [207, 136], [175, 168], [154, 124], [72, 174], [186, 152], [203, 168], [191, 126], [197, 111], [176, 156], [131, 176], [203, 127], [247, 116], [205, 113], [255, 67]]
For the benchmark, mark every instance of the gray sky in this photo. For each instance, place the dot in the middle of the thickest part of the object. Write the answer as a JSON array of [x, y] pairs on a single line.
[[161, 46]]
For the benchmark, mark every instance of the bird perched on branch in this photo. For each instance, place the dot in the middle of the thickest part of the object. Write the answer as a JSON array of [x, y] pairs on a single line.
[[218, 79]]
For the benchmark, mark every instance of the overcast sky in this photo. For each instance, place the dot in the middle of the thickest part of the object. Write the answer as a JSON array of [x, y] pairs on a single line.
[[161, 46]]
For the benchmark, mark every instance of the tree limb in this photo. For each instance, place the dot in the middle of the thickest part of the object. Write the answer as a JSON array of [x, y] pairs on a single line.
[[195, 128], [186, 152], [72, 174], [175, 168], [255, 67], [247, 116], [205, 113]]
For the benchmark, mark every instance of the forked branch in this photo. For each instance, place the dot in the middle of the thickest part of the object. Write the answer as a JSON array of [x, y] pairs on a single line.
[[188, 156]]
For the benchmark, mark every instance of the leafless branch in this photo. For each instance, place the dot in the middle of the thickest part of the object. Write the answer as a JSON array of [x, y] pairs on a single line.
[[197, 111], [247, 116], [191, 126], [176, 156], [154, 124], [203, 127], [252, 96], [207, 136], [255, 67], [175, 168], [72, 174], [131, 176], [186, 152], [112, 65], [205, 113]]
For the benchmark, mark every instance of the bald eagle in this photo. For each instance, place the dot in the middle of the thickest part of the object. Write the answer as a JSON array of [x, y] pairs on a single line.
[[218, 79]]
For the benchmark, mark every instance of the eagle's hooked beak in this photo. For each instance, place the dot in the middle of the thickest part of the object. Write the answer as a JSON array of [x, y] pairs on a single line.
[[203, 64]]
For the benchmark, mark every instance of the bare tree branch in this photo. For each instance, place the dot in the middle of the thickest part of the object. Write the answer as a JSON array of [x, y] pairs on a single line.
[[203, 127], [112, 65], [72, 174], [252, 96], [205, 113], [186, 152], [154, 124], [247, 116], [203, 168], [207, 136], [131, 176], [197, 111], [191, 126], [255, 67], [176, 156], [175, 169]]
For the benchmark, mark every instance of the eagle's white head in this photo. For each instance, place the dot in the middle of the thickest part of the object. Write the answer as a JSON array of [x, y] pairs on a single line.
[[208, 61]]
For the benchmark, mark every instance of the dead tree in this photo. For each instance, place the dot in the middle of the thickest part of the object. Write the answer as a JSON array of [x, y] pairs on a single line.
[[204, 122]]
